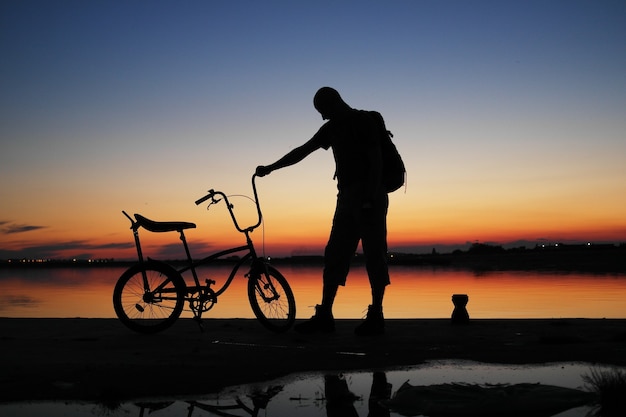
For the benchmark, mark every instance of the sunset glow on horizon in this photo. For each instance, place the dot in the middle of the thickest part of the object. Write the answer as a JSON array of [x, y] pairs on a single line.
[[509, 117]]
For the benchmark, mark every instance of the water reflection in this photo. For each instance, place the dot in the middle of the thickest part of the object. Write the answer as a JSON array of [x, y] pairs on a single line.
[[329, 394], [259, 399], [340, 400], [416, 292]]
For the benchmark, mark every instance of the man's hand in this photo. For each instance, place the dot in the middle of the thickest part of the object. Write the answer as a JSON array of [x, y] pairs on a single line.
[[262, 171]]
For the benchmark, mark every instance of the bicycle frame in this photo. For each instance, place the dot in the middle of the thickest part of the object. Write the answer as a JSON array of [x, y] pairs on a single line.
[[151, 295], [192, 265]]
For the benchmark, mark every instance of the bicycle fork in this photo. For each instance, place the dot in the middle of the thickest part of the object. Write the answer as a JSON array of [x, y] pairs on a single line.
[[263, 285]]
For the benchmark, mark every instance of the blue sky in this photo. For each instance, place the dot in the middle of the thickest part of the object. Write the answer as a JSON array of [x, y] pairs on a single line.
[[509, 114]]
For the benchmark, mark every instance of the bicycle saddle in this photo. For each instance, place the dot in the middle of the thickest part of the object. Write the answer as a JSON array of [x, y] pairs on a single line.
[[153, 226]]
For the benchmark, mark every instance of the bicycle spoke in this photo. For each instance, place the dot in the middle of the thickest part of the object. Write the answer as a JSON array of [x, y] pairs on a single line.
[[144, 309], [271, 300]]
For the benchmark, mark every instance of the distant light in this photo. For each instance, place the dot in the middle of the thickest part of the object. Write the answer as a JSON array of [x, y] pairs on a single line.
[[588, 243]]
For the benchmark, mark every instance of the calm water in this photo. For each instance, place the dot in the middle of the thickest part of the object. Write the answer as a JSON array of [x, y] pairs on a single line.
[[304, 395], [415, 292]]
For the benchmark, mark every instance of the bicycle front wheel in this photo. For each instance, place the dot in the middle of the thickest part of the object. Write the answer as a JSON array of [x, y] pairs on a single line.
[[150, 305], [271, 299]]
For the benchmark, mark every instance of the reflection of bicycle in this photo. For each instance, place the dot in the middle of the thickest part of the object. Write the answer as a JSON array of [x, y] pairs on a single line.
[[149, 297], [260, 400]]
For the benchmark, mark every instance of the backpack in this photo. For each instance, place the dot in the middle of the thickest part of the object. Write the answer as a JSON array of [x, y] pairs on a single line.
[[394, 172], [393, 169]]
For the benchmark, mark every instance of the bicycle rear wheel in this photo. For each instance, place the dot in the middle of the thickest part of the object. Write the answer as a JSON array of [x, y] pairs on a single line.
[[151, 309], [271, 299]]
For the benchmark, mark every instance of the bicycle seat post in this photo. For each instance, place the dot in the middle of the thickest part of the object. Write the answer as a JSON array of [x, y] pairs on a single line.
[[189, 258], [134, 226]]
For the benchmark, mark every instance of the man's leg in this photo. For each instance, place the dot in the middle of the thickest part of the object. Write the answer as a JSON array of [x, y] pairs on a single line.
[[378, 294], [339, 251], [374, 240], [329, 292]]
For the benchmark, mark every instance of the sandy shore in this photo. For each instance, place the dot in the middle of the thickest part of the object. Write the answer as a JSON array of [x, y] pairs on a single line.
[[98, 359]]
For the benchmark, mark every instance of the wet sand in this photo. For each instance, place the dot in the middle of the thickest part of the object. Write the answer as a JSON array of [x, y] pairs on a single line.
[[100, 359]]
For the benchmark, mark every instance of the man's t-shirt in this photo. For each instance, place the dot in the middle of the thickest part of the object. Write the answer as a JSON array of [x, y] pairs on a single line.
[[355, 140]]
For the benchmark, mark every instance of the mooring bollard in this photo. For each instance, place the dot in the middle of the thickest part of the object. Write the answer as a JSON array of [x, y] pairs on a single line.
[[460, 314]]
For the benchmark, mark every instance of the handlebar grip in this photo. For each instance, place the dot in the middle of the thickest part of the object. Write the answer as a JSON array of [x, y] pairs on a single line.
[[205, 198]]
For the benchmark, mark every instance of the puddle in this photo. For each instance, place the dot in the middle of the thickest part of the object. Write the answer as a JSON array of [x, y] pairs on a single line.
[[307, 395]]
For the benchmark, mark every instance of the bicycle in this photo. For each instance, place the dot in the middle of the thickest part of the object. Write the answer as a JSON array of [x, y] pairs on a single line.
[[150, 295], [260, 400]]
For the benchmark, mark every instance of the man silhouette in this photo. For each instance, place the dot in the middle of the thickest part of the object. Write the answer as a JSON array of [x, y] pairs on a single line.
[[361, 210]]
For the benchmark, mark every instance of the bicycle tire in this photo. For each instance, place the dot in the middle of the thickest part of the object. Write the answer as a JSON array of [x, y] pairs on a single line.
[[146, 311], [272, 300]]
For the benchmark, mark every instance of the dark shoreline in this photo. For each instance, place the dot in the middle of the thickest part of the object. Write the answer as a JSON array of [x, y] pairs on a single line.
[[562, 258], [99, 359]]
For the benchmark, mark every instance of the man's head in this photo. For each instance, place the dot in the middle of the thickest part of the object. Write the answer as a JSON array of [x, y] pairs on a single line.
[[329, 103]]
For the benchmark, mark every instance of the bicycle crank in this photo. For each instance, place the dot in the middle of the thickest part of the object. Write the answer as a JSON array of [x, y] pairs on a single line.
[[204, 302]]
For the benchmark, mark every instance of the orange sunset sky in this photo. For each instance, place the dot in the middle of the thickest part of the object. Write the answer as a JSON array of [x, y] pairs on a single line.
[[510, 117]]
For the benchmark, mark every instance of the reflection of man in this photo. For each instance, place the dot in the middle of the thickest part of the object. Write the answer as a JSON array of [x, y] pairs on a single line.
[[340, 400], [361, 211], [380, 391]]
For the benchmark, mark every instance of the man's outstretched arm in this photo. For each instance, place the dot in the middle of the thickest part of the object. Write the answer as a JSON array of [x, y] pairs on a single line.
[[292, 157]]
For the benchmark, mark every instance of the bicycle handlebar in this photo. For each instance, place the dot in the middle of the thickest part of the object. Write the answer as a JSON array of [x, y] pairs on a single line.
[[212, 193], [205, 198]]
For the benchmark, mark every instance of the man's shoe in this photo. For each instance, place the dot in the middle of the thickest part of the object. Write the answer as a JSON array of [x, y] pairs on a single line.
[[374, 323], [322, 322]]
